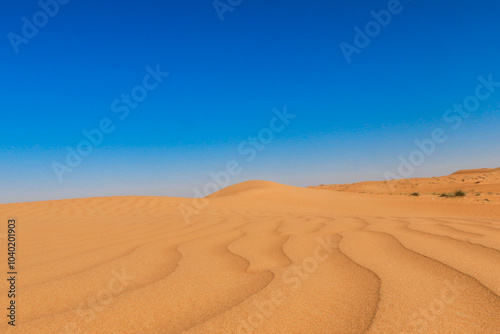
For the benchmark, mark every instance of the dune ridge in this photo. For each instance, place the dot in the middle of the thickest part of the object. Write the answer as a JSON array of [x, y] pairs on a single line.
[[477, 171], [261, 257]]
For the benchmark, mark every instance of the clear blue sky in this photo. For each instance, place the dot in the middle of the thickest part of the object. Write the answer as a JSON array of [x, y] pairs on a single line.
[[353, 120]]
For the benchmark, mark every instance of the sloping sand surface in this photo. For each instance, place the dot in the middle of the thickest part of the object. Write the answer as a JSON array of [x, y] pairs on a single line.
[[261, 257], [480, 185]]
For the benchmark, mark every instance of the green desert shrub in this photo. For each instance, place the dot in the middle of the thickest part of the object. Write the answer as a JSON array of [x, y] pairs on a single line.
[[458, 193]]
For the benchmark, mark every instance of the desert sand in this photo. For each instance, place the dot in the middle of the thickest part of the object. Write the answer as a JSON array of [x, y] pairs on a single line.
[[262, 257], [481, 185]]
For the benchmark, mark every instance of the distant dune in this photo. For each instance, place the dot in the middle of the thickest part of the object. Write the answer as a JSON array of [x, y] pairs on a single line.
[[261, 257], [478, 171], [481, 185]]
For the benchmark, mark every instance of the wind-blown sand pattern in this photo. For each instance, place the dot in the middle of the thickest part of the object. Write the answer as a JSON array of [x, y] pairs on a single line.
[[259, 258]]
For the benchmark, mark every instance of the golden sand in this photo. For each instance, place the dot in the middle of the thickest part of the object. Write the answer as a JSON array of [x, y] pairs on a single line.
[[262, 257]]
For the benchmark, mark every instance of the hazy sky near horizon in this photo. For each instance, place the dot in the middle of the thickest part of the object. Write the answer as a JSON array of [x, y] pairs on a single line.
[[227, 79]]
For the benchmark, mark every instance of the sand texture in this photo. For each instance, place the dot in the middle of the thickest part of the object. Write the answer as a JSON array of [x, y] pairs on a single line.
[[261, 257]]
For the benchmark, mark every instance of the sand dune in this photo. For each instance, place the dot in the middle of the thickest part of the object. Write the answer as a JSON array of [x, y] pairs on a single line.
[[262, 257], [478, 171], [481, 185]]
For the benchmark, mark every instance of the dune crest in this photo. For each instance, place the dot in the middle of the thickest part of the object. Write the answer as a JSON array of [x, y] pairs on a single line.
[[254, 185], [477, 171]]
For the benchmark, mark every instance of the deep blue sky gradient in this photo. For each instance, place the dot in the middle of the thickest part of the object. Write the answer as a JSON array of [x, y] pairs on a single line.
[[353, 120]]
